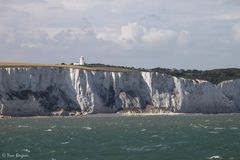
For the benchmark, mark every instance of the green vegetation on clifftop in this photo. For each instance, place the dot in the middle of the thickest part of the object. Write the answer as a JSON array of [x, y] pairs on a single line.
[[215, 76], [85, 67]]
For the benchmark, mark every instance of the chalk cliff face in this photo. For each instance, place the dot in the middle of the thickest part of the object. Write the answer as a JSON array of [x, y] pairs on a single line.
[[45, 91]]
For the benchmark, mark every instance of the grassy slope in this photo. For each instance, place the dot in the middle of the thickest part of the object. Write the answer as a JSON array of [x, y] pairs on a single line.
[[86, 67], [215, 76]]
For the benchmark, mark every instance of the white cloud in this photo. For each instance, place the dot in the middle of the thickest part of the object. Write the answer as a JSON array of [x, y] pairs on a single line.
[[183, 38], [57, 27], [134, 34], [80, 5], [71, 33], [228, 16], [131, 32], [31, 45], [30, 6], [159, 36], [6, 35], [107, 34], [10, 38], [24, 37], [236, 32], [127, 36]]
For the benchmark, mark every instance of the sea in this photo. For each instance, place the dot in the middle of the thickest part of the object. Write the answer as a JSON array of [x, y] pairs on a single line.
[[118, 137]]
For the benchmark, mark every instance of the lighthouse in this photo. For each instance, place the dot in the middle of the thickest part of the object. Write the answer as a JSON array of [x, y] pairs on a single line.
[[81, 62]]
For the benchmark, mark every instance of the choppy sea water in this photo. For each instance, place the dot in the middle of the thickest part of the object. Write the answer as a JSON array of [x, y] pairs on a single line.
[[178, 137]]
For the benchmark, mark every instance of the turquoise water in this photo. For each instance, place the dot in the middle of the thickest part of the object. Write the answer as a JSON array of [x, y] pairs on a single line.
[[179, 137]]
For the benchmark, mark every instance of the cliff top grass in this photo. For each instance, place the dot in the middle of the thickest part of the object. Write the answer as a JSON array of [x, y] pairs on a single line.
[[214, 76], [92, 67]]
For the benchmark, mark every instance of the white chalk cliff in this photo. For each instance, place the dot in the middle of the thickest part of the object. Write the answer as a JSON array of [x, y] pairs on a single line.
[[44, 91]]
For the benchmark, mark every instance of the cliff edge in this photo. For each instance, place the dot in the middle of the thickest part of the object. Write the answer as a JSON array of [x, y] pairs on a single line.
[[68, 91]]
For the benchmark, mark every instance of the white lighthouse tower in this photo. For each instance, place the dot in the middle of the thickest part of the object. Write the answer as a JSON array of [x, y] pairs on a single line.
[[81, 62]]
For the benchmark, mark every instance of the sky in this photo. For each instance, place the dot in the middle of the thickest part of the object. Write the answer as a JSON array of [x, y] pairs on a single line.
[[182, 34]]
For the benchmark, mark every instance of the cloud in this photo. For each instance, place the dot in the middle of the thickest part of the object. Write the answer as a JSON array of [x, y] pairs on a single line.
[[31, 45], [70, 33], [39, 6], [26, 6], [6, 35], [236, 32], [108, 34], [79, 5], [159, 36], [166, 33], [12, 37], [228, 16], [133, 34], [183, 38], [125, 36]]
